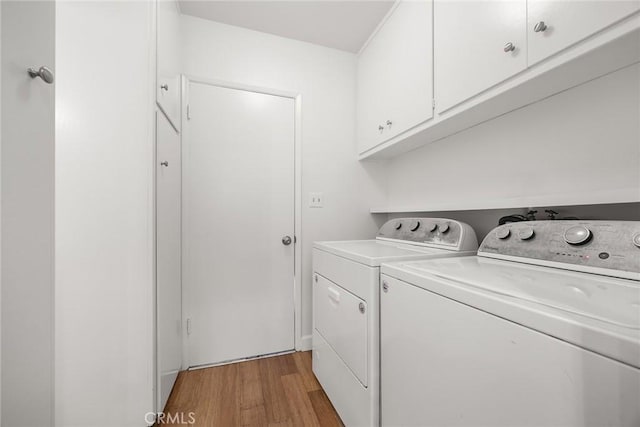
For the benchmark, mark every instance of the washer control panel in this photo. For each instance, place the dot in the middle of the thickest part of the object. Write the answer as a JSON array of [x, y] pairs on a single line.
[[608, 245], [438, 232]]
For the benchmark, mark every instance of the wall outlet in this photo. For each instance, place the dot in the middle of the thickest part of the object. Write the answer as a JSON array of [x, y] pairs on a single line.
[[316, 200]]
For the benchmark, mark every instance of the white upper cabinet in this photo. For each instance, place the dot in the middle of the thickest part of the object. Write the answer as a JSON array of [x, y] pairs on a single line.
[[395, 75], [168, 61], [484, 58], [478, 44], [554, 25]]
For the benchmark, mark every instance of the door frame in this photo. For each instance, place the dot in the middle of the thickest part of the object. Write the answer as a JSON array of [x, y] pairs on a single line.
[[299, 342]]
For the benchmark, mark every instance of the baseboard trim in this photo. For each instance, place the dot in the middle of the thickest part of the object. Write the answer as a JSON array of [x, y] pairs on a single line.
[[305, 343]]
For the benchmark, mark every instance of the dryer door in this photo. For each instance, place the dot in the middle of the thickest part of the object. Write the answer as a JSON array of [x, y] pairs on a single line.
[[341, 318]]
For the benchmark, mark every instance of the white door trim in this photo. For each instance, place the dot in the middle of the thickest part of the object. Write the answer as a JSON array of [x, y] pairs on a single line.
[[299, 342]]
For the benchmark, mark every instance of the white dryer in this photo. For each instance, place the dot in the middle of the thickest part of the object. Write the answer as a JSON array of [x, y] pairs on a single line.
[[346, 306], [542, 328]]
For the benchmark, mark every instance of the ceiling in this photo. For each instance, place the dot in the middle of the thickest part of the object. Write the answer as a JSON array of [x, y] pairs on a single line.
[[342, 24]]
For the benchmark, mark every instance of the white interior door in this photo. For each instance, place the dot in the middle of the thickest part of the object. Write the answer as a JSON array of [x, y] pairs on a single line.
[[168, 290], [238, 204]]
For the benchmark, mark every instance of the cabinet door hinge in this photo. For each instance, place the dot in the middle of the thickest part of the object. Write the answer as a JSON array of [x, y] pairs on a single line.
[[189, 326], [188, 112], [433, 103]]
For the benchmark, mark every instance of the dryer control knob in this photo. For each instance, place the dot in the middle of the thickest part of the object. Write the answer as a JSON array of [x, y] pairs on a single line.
[[577, 235], [398, 225], [431, 227], [526, 233], [443, 227], [503, 233], [415, 225], [636, 240]]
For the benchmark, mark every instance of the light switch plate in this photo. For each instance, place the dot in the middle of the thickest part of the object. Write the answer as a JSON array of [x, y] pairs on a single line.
[[316, 200]]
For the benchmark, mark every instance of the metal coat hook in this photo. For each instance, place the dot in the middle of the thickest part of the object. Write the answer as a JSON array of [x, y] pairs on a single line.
[[44, 73]]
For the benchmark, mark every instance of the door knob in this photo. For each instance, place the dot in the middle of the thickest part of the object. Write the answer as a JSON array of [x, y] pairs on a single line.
[[509, 47], [43, 72], [540, 27], [165, 164], [286, 240], [164, 87]]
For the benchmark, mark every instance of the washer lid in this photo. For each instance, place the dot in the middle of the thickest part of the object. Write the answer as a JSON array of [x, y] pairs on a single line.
[[375, 252], [615, 301], [561, 303]]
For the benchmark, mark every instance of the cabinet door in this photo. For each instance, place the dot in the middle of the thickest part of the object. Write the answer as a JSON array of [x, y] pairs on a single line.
[[169, 287], [395, 75], [555, 25], [370, 104], [168, 61], [470, 42]]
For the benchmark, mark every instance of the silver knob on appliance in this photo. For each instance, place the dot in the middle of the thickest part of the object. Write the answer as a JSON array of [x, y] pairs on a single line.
[[164, 87], [503, 233], [444, 228], [636, 240], [43, 72], [540, 27], [385, 286], [361, 307], [415, 225], [577, 235], [526, 233], [398, 225], [165, 164], [286, 240], [431, 227], [509, 47]]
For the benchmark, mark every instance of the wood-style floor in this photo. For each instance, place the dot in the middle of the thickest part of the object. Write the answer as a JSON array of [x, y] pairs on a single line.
[[275, 391]]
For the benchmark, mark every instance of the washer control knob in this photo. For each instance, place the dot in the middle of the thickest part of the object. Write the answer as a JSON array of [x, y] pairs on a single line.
[[415, 225], [398, 225], [503, 233], [636, 240], [577, 235], [526, 233], [431, 227], [443, 227]]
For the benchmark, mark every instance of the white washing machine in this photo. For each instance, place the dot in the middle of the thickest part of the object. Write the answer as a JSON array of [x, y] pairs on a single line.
[[542, 328], [346, 306]]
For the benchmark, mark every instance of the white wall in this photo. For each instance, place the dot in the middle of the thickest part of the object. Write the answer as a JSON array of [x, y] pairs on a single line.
[[581, 146], [326, 80], [104, 213]]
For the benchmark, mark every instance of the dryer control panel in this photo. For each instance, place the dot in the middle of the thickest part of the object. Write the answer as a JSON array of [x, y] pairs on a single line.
[[436, 232], [604, 247]]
